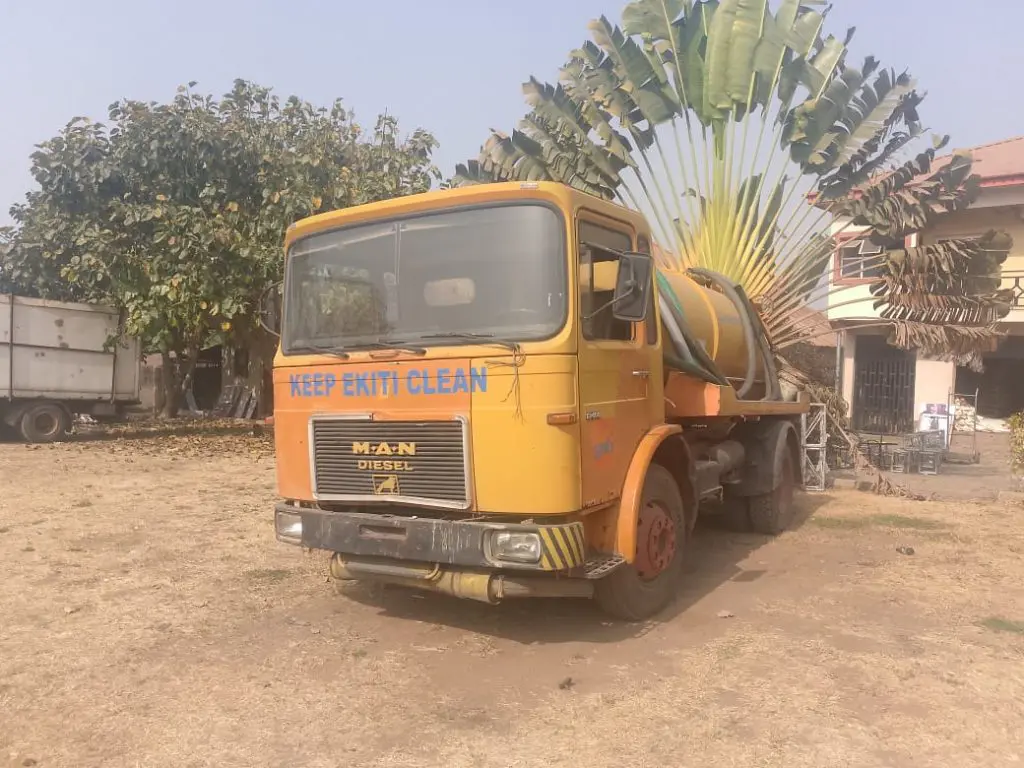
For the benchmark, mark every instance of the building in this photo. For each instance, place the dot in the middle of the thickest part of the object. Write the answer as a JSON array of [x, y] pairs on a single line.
[[888, 388]]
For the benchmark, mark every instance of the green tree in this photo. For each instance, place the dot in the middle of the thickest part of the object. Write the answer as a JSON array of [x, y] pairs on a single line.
[[721, 119], [176, 212]]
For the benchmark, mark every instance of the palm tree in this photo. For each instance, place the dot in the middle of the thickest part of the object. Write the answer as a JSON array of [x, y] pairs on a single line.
[[742, 132]]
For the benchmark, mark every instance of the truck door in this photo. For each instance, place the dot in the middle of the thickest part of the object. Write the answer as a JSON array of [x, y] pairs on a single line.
[[618, 369]]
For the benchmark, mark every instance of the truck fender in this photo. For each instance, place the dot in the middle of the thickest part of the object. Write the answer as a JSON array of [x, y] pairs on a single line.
[[765, 445], [11, 414], [662, 445]]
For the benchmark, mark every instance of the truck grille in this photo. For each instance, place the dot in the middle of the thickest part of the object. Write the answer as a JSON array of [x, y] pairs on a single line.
[[405, 460]]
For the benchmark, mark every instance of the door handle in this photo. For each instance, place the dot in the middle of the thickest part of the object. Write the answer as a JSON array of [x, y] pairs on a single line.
[[642, 374]]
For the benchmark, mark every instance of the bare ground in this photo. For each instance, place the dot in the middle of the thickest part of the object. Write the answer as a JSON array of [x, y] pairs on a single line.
[[148, 618]]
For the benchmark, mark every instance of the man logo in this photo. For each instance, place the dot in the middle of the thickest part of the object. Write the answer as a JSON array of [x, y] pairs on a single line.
[[384, 449], [385, 485]]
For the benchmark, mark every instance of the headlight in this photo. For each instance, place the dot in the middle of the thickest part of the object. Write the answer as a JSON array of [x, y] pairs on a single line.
[[515, 547], [288, 526]]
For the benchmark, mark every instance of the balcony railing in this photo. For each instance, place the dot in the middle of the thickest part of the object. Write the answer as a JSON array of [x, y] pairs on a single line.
[[1018, 289]]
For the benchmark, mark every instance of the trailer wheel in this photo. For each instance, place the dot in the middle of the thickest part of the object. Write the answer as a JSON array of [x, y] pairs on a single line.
[[771, 513], [44, 423], [637, 591]]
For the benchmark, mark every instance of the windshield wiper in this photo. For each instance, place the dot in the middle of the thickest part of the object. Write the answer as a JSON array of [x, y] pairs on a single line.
[[398, 345], [326, 349], [484, 338]]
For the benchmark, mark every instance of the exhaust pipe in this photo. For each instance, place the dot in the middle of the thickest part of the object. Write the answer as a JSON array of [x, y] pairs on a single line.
[[484, 587]]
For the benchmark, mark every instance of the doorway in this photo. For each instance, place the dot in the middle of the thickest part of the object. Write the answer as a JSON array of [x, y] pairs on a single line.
[[883, 387]]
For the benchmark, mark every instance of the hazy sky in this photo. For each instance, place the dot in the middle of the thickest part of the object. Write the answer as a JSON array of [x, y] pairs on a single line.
[[451, 66]]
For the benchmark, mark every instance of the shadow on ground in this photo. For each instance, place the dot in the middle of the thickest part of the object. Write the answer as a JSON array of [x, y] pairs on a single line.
[[713, 558]]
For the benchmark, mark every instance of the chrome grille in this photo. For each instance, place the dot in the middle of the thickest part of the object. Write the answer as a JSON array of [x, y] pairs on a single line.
[[414, 460]]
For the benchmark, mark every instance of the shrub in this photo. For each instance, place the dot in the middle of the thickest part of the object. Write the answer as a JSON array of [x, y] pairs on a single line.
[[1017, 443]]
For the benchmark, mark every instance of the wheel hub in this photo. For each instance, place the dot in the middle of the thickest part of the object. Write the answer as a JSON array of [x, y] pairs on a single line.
[[46, 423], [656, 541]]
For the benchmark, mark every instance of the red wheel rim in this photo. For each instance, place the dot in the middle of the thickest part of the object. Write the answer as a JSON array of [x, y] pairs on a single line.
[[655, 541]]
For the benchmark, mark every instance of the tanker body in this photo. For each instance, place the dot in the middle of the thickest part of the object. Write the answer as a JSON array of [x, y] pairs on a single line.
[[494, 392]]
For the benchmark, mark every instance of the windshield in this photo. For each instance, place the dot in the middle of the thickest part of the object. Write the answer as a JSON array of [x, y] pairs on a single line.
[[498, 272]]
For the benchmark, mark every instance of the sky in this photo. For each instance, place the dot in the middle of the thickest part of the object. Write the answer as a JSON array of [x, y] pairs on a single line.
[[454, 67]]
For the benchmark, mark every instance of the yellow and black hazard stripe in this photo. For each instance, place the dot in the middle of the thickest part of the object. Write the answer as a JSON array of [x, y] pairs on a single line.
[[563, 547]]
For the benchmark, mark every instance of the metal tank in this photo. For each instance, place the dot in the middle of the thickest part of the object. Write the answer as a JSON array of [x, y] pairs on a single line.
[[714, 322]]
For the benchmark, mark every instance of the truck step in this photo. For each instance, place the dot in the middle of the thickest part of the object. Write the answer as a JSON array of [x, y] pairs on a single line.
[[600, 565]]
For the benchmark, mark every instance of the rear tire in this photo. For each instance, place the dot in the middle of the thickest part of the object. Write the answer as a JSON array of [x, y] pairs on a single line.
[[771, 513], [642, 589], [44, 423]]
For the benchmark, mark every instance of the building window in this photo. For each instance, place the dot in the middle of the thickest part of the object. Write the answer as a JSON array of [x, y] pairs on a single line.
[[861, 260]]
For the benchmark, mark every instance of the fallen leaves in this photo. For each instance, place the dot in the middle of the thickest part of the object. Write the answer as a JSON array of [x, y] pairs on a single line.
[[176, 439]]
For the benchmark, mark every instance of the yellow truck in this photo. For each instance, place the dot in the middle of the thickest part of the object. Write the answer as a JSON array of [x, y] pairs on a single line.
[[495, 392]]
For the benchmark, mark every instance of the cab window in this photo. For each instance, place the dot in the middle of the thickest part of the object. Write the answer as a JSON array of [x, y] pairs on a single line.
[[643, 245], [598, 270]]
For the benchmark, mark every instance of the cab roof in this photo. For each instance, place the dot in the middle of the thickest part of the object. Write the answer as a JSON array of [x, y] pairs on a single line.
[[564, 197]]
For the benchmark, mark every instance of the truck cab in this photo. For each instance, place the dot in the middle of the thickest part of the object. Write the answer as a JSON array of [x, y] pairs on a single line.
[[469, 397]]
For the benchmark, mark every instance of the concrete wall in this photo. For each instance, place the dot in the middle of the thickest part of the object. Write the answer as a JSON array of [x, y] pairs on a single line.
[[853, 302], [933, 381], [848, 341]]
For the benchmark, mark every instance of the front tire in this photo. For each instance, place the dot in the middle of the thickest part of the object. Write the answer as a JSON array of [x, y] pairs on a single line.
[[642, 589], [44, 423]]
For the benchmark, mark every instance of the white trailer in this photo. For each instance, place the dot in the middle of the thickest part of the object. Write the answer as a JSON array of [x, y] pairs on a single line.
[[58, 359]]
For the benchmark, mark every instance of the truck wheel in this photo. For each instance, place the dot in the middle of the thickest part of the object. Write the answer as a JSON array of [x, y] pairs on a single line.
[[44, 423], [771, 513], [638, 591]]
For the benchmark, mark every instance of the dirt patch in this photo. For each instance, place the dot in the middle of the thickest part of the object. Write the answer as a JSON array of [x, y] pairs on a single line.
[[149, 618]]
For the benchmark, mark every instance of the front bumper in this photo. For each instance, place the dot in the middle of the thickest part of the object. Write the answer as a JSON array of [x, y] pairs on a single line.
[[462, 543]]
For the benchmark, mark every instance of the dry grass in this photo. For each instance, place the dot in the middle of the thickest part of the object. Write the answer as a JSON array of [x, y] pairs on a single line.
[[850, 522], [997, 624], [150, 619]]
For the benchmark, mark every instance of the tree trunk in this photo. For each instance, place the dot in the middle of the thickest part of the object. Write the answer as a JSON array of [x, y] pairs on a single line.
[[261, 357], [176, 378], [169, 385], [227, 366], [188, 369]]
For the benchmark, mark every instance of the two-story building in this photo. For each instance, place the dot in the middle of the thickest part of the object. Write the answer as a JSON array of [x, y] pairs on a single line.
[[888, 388]]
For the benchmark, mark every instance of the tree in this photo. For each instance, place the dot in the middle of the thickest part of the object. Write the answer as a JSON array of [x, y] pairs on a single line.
[[176, 212], [721, 119]]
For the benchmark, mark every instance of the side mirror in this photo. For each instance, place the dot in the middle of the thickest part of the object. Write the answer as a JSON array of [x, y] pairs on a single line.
[[270, 309], [632, 296]]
